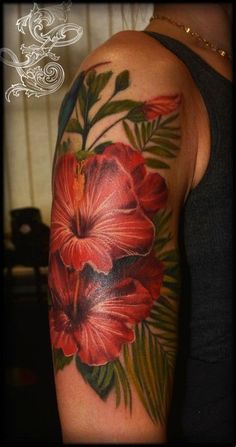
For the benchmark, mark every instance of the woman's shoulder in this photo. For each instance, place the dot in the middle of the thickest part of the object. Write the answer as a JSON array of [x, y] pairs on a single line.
[[138, 51]]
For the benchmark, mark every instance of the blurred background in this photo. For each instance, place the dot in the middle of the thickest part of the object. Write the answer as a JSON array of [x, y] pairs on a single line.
[[30, 130]]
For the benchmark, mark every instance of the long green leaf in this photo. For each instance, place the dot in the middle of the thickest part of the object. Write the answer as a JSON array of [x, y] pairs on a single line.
[[143, 375], [144, 132], [163, 317], [161, 377], [122, 81], [130, 135], [161, 219], [170, 255], [101, 376], [109, 376], [172, 285], [138, 136], [168, 336], [82, 96], [117, 391], [169, 120], [114, 107], [156, 164], [168, 134], [160, 151], [102, 382], [157, 371], [160, 324], [164, 309], [164, 142], [100, 147], [74, 126], [171, 128], [161, 243], [98, 84], [149, 360], [135, 380], [164, 300], [122, 378], [60, 360]]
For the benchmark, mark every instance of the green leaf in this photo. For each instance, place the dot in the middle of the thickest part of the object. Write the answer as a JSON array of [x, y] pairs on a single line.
[[161, 220], [159, 151], [130, 135], [90, 77], [100, 147], [149, 360], [160, 324], [164, 301], [99, 83], [165, 143], [113, 107], [134, 377], [161, 242], [117, 391], [173, 287], [164, 308], [122, 81], [170, 255], [60, 360], [82, 96], [144, 132], [168, 120], [138, 136], [74, 126], [100, 378], [136, 115], [170, 128], [141, 374], [64, 147], [172, 271], [83, 155], [156, 164], [122, 379], [168, 134]]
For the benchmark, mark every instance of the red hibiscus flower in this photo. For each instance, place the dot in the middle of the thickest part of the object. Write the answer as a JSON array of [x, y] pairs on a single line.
[[91, 315], [161, 105], [150, 188], [149, 271], [96, 214]]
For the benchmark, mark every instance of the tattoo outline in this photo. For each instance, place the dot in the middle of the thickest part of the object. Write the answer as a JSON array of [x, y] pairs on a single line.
[[114, 284]]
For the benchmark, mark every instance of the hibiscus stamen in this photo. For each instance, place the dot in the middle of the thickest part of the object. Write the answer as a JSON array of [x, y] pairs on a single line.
[[78, 188], [75, 298], [78, 185]]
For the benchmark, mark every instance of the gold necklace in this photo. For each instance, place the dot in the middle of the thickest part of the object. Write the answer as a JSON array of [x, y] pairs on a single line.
[[197, 36]]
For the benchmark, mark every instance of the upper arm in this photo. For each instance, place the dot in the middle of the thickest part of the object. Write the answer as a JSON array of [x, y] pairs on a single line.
[[122, 170]]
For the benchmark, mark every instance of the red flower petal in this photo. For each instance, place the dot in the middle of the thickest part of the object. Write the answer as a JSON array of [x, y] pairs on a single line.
[[160, 105], [152, 193], [131, 160], [96, 320], [150, 188], [109, 223], [61, 339], [149, 271], [108, 324], [61, 281]]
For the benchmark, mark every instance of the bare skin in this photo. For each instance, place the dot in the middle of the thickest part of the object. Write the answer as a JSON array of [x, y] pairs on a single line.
[[154, 73], [196, 15], [218, 31]]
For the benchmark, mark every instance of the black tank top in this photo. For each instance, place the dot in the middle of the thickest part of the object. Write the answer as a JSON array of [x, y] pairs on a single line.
[[204, 367]]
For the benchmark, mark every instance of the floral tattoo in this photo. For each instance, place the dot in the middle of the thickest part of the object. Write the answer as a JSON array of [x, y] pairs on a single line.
[[113, 281]]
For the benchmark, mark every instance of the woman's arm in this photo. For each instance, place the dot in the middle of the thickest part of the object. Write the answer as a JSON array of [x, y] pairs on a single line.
[[122, 170]]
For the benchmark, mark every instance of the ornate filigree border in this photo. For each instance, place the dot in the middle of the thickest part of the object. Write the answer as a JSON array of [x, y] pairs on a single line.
[[36, 80]]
